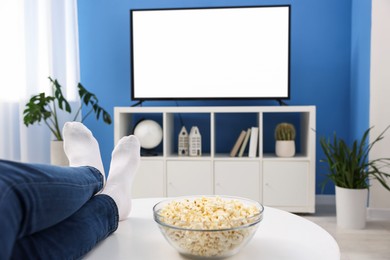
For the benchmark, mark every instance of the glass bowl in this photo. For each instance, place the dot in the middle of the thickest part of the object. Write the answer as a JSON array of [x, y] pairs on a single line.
[[208, 227]]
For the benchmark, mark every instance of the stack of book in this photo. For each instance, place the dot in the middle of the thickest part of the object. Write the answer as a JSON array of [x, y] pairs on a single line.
[[247, 138]]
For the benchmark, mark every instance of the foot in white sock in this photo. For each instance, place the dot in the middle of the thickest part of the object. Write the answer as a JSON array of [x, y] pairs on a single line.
[[124, 164], [81, 147]]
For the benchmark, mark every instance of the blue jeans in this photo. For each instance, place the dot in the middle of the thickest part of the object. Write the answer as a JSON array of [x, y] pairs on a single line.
[[50, 212]]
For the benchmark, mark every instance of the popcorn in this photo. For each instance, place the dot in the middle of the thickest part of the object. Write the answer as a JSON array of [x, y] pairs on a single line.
[[211, 224]]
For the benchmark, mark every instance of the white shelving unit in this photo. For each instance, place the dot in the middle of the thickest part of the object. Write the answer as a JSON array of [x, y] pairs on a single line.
[[285, 183]]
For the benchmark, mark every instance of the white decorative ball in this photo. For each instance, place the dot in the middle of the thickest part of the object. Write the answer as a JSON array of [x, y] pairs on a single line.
[[149, 133]]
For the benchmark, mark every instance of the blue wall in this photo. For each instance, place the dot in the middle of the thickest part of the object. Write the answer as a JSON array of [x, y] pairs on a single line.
[[320, 62], [360, 66]]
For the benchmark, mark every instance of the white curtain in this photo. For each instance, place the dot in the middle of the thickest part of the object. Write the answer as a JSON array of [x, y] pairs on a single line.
[[39, 38]]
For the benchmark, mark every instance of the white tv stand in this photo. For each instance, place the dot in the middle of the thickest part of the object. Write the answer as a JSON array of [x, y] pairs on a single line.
[[285, 183]]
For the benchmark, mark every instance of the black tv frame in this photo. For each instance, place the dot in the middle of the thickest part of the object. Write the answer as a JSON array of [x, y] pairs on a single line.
[[140, 100]]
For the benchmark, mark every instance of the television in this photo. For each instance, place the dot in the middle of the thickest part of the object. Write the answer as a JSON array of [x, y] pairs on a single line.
[[210, 53]]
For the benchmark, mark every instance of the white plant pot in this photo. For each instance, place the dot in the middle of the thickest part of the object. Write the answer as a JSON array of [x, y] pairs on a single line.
[[285, 148], [57, 154], [351, 207]]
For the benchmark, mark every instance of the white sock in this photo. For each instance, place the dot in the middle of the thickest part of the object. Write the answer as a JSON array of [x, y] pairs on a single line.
[[124, 165], [81, 147]]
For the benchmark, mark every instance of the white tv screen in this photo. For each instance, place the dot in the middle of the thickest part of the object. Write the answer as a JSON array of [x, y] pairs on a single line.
[[211, 53]]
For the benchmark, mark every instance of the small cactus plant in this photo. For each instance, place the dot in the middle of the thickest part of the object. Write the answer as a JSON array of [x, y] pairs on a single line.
[[285, 132]]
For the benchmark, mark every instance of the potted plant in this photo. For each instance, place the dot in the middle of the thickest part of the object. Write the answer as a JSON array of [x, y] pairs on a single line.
[[351, 169], [285, 140], [42, 107]]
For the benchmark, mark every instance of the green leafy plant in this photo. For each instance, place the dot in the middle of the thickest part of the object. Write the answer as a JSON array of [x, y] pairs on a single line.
[[45, 108], [350, 167], [285, 132]]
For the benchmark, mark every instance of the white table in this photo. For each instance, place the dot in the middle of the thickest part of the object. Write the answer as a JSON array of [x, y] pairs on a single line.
[[281, 235]]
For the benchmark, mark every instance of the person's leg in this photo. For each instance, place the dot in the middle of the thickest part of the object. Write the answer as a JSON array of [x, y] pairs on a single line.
[[75, 236], [34, 197], [96, 220]]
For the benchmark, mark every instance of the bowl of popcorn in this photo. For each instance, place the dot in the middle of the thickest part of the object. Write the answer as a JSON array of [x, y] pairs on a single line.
[[208, 227]]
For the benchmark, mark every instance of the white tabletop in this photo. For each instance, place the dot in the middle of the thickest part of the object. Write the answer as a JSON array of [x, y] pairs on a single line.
[[281, 235]]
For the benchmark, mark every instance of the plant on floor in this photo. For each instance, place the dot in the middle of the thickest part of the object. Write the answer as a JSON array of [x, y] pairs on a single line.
[[350, 167], [43, 107]]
